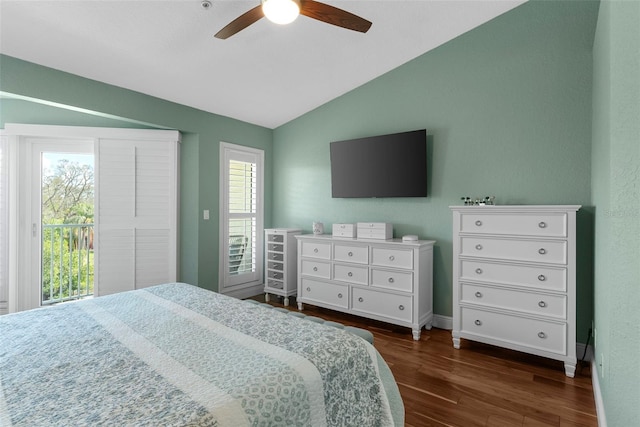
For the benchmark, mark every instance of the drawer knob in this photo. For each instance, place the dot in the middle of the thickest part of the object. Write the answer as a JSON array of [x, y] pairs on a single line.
[[479, 247], [542, 251], [391, 280], [542, 335], [391, 257], [542, 224], [401, 307], [315, 250], [361, 299], [478, 223], [350, 254], [308, 289], [542, 304], [350, 274], [315, 268], [478, 294], [542, 277], [339, 295], [478, 271], [478, 322]]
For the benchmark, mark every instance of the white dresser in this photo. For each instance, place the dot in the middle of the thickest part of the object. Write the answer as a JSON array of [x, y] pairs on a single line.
[[280, 262], [386, 280], [514, 278]]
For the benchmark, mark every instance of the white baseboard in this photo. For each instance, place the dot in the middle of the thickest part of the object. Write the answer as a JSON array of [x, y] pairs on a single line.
[[442, 322], [244, 293], [597, 394]]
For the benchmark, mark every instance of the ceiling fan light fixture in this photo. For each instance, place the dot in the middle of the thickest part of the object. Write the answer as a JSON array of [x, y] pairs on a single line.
[[281, 11]]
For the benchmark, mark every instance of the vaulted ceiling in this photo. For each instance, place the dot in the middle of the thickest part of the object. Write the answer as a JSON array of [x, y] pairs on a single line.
[[267, 74]]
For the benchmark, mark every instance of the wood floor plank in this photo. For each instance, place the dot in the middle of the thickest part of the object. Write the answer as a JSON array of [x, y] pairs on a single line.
[[477, 385]]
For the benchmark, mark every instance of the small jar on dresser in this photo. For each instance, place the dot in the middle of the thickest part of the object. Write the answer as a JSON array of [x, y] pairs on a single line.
[[514, 279], [280, 276]]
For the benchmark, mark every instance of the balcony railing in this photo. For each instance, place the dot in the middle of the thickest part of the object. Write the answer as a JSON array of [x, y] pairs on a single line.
[[67, 262]]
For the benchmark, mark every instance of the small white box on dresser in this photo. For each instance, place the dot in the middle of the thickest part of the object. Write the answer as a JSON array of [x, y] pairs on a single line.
[[344, 230], [375, 230]]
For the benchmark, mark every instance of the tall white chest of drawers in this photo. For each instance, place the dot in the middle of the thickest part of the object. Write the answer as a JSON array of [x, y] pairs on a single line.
[[387, 280], [514, 279], [280, 262]]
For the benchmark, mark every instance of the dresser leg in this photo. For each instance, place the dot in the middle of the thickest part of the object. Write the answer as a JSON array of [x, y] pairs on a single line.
[[266, 298], [416, 334], [570, 369], [456, 342], [286, 301], [300, 307]]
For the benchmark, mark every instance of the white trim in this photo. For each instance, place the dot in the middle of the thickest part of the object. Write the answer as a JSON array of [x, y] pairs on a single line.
[[245, 292], [442, 322], [248, 289], [597, 394], [82, 132]]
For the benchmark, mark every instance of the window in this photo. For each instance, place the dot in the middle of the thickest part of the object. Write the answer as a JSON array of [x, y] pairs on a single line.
[[136, 207], [241, 220]]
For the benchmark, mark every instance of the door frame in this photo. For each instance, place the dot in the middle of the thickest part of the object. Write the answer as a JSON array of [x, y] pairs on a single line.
[[30, 210]]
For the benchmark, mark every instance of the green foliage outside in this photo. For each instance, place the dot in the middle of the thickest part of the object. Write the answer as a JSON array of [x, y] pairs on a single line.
[[67, 232]]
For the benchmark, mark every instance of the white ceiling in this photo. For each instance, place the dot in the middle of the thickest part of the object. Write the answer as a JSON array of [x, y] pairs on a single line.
[[266, 74]]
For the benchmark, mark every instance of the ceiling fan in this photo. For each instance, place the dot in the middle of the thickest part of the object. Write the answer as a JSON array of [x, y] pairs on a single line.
[[286, 11]]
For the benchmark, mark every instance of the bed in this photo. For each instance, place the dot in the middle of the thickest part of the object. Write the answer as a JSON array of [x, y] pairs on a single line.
[[179, 355]]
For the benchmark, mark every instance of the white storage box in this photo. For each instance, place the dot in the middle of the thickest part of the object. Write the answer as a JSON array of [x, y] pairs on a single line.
[[375, 230], [344, 230]]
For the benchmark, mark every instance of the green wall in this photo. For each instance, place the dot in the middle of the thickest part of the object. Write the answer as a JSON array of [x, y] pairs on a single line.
[[616, 194], [507, 107], [47, 96]]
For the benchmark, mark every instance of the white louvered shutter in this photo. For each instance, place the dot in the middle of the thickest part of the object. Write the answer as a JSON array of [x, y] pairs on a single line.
[[4, 224], [241, 218], [137, 203]]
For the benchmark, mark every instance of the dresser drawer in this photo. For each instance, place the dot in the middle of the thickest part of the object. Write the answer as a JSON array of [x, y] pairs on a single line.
[[322, 292], [552, 252], [548, 225], [351, 274], [538, 334], [275, 265], [520, 275], [392, 279], [278, 275], [527, 302], [273, 256], [316, 250], [359, 254], [401, 258], [397, 307], [316, 269], [275, 247]]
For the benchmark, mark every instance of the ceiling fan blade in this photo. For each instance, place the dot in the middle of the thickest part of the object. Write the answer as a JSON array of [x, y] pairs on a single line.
[[240, 23], [332, 15]]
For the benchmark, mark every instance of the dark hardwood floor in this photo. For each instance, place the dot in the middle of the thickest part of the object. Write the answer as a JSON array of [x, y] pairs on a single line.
[[478, 385]]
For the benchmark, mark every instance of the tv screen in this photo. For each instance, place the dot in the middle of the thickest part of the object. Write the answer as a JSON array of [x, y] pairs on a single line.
[[380, 166]]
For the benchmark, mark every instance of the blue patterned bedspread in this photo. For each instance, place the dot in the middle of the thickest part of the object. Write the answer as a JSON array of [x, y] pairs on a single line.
[[178, 355]]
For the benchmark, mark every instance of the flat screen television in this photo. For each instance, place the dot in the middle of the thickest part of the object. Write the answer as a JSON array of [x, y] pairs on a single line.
[[380, 166]]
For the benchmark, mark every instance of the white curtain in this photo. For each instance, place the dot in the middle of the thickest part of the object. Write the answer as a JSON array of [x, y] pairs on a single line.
[[4, 224]]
